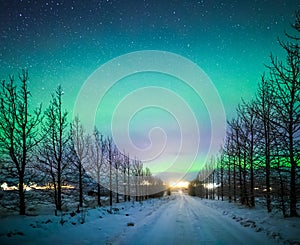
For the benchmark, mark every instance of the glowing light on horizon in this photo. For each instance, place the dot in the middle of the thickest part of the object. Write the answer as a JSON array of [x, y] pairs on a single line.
[[211, 185], [180, 184], [6, 187]]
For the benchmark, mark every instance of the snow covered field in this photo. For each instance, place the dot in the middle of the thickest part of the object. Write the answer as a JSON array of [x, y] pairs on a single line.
[[175, 219]]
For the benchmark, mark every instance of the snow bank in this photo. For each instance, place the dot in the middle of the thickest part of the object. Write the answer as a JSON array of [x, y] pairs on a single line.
[[282, 230]]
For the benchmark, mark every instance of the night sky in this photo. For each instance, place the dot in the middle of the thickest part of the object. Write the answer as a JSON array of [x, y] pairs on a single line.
[[64, 42]]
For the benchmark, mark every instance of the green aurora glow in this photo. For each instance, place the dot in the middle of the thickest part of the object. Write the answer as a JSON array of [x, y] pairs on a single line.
[[63, 42]]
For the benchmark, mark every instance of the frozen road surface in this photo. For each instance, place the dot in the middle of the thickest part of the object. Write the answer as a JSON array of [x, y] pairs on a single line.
[[176, 219], [184, 220]]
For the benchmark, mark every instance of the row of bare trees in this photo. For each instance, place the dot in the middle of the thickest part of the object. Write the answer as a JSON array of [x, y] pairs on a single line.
[[101, 159], [45, 147], [19, 132], [261, 154]]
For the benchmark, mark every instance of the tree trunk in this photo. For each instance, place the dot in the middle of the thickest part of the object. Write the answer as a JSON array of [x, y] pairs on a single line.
[[59, 201], [245, 191], [234, 179], [124, 180], [268, 186], [98, 190], [229, 179], [98, 195], [110, 174], [22, 206], [240, 178], [80, 185], [293, 194], [128, 181], [117, 185], [252, 198], [222, 180]]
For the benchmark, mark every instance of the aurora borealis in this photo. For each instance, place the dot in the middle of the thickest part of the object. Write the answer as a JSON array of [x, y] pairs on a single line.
[[64, 42]]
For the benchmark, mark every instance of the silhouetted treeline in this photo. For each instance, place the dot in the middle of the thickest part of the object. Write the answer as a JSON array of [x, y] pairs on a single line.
[[261, 154], [47, 149]]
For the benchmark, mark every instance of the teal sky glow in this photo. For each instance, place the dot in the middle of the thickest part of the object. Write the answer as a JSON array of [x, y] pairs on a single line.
[[64, 42]]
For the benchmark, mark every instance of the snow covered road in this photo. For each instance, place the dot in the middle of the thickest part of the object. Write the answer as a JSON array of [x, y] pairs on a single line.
[[176, 219], [184, 220]]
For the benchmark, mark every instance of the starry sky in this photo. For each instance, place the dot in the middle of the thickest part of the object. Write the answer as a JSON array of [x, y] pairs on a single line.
[[64, 42]]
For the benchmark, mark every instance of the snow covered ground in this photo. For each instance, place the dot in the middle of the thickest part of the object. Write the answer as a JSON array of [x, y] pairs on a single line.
[[175, 219], [282, 230]]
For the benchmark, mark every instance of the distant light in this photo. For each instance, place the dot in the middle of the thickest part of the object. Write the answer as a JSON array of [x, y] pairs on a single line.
[[5, 187], [211, 185], [180, 184]]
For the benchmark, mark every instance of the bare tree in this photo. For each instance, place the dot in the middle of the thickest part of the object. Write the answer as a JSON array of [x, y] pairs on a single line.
[[81, 146], [228, 153], [126, 169], [137, 169], [246, 112], [117, 163], [124, 172], [286, 98], [148, 181], [264, 110], [222, 176], [96, 157], [109, 146], [18, 128], [54, 151]]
